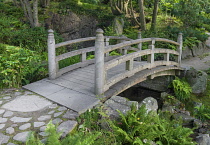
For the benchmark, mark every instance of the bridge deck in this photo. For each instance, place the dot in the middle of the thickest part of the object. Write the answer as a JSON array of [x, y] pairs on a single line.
[[75, 89]]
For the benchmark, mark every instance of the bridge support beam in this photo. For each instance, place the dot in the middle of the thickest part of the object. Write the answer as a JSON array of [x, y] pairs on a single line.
[[99, 63], [52, 64]]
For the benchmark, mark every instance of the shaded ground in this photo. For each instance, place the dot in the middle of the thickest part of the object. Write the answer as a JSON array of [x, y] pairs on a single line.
[[200, 62]]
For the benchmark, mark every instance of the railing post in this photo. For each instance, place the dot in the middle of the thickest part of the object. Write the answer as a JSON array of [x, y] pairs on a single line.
[[151, 57], [99, 62], [52, 64], [139, 45], [166, 57], [107, 44], [180, 41], [83, 57], [129, 65]]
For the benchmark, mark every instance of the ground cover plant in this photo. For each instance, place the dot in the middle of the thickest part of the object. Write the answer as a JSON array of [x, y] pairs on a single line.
[[182, 89], [137, 126]]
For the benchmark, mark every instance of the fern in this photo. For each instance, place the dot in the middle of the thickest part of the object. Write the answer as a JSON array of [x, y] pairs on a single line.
[[182, 89], [32, 140], [81, 139], [202, 113], [53, 135]]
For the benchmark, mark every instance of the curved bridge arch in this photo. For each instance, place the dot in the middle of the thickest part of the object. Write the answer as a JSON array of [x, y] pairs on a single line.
[[140, 77]]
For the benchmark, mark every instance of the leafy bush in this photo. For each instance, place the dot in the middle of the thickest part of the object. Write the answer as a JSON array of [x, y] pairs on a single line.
[[190, 42], [182, 89], [8, 26], [14, 32], [138, 127], [202, 113], [33, 39], [18, 65]]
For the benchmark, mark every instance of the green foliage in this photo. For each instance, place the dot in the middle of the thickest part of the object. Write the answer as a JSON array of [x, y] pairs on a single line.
[[89, 120], [137, 126], [53, 137], [114, 53], [69, 61], [191, 12], [190, 42], [80, 139], [14, 32], [182, 89], [33, 38], [8, 26], [91, 8], [140, 127], [202, 113], [8, 9], [18, 65], [32, 140]]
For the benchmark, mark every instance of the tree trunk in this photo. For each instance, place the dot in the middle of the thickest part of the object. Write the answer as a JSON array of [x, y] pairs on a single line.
[[142, 16], [154, 15], [35, 13], [29, 12]]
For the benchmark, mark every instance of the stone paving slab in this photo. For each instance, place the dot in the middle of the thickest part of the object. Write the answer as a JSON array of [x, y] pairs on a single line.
[[43, 87], [74, 100], [27, 103], [55, 90]]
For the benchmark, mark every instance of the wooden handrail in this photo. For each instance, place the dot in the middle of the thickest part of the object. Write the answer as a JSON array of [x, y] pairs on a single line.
[[124, 58], [75, 52], [137, 41], [74, 41], [88, 39]]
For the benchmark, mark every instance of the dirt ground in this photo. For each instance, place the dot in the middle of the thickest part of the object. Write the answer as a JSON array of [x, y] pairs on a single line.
[[201, 62]]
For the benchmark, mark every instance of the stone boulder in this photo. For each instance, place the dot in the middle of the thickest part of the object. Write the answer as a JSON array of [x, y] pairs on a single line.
[[187, 120], [150, 103], [117, 103], [73, 26], [123, 105], [203, 139], [197, 80], [196, 50]]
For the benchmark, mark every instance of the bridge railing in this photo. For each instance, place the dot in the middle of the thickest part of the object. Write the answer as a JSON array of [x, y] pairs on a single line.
[[101, 68], [53, 60]]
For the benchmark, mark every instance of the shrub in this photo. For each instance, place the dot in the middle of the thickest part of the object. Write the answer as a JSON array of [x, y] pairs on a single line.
[[138, 127], [19, 66], [182, 89], [202, 113], [16, 33]]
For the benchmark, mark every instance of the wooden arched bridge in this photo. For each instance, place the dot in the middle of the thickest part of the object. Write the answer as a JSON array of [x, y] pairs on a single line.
[[82, 85]]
